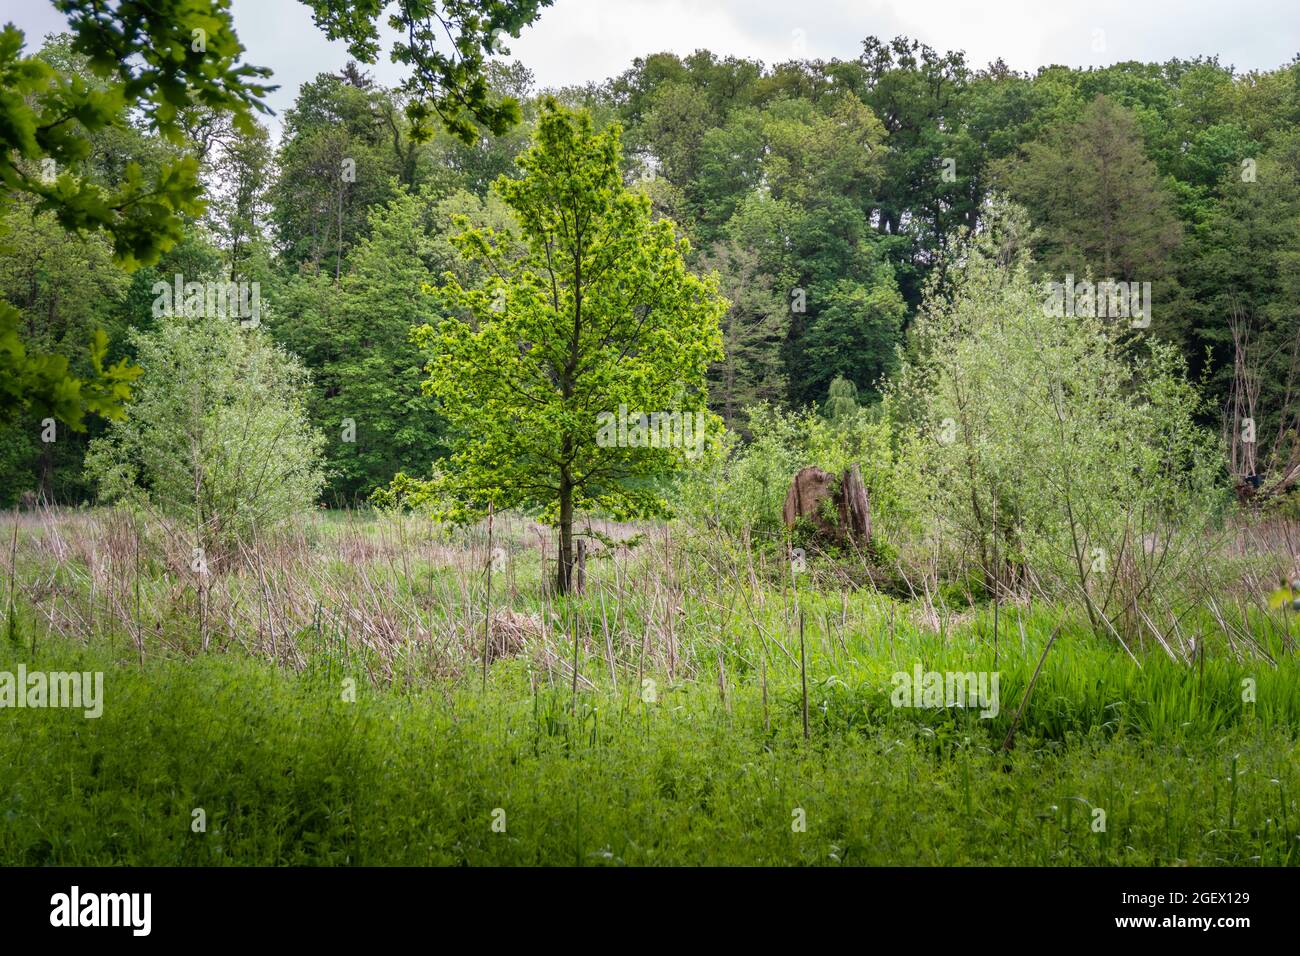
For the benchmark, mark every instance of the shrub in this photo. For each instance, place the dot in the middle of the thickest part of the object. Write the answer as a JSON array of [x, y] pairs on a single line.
[[216, 436], [1053, 450]]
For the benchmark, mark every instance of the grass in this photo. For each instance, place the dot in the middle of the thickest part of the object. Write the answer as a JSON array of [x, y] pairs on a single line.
[[706, 764]]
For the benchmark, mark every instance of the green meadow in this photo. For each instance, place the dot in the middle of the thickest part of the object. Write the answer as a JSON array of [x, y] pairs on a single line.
[[332, 708]]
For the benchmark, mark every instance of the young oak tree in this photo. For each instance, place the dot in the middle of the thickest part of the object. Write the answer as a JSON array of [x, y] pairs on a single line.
[[593, 314]]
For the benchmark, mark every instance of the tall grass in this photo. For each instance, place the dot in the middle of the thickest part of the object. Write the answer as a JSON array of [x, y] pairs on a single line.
[[658, 718]]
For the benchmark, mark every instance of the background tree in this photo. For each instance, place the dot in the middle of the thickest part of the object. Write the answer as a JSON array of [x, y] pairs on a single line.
[[238, 209], [918, 96], [450, 163], [855, 335], [841, 400], [355, 338], [1097, 200], [1243, 270], [754, 329], [336, 160]]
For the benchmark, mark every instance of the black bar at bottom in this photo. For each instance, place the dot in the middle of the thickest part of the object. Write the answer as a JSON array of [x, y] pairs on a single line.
[[334, 906]]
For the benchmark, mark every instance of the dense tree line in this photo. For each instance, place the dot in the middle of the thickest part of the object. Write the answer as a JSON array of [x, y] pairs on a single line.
[[825, 195]]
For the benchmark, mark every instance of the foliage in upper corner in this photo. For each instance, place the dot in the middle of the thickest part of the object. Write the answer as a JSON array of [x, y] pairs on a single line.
[[159, 57], [453, 85], [42, 382]]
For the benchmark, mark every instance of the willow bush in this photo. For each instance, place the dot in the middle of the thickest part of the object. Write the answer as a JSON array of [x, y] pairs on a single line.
[[1060, 454]]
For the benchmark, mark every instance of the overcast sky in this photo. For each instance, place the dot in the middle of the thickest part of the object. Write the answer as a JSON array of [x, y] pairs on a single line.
[[580, 40]]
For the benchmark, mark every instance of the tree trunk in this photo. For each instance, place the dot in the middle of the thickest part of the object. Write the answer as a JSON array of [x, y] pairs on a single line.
[[47, 473], [564, 569]]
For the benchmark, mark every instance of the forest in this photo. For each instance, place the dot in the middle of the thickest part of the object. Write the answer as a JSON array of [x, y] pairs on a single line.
[[873, 461]]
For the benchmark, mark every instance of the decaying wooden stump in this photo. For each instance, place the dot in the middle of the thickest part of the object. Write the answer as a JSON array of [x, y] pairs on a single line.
[[804, 499], [854, 505], [812, 487]]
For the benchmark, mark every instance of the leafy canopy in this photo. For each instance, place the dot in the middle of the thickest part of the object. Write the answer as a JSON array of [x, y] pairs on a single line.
[[159, 57], [454, 84], [595, 310]]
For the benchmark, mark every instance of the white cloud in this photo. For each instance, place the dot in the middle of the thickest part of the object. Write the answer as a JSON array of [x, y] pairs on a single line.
[[580, 40]]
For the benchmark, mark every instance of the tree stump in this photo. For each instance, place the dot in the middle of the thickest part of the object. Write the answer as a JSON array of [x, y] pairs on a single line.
[[854, 505], [806, 499]]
